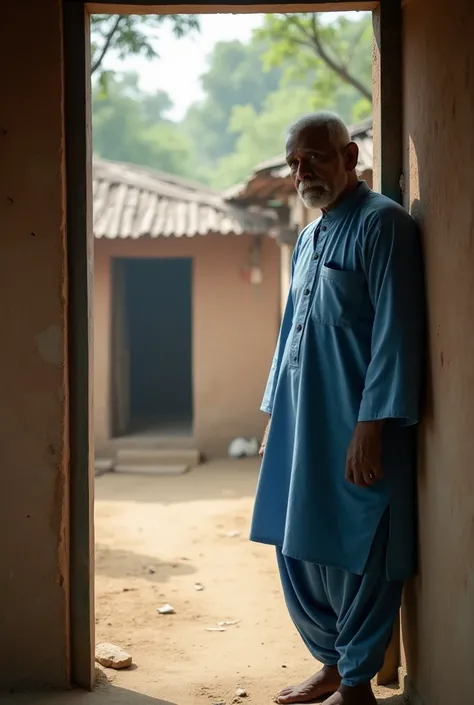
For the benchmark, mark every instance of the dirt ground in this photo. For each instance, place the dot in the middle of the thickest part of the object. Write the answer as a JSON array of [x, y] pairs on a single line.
[[156, 539]]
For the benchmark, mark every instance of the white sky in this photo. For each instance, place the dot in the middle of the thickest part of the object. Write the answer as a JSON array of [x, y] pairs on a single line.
[[183, 60]]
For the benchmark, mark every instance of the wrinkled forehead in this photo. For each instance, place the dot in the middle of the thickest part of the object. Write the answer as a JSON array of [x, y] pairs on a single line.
[[309, 139]]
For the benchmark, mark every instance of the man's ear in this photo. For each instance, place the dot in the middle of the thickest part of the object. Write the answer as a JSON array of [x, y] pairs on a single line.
[[351, 156]]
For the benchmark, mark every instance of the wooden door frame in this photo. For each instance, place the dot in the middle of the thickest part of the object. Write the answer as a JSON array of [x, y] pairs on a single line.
[[119, 350], [388, 160]]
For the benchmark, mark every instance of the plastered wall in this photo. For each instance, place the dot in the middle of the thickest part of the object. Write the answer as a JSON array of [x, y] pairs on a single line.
[[235, 326], [33, 391], [439, 150]]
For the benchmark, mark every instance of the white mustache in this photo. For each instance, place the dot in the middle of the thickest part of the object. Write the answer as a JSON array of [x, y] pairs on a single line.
[[310, 184]]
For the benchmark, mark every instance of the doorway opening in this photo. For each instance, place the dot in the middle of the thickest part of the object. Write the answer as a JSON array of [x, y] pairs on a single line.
[[152, 351], [217, 486]]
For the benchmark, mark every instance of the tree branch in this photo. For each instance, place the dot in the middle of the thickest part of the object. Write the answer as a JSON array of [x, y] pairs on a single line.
[[315, 42], [108, 39]]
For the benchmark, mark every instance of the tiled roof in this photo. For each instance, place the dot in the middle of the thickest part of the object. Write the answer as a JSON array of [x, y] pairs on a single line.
[[270, 180], [133, 202]]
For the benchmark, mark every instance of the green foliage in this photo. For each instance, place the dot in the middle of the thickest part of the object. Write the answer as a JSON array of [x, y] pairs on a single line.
[[235, 77], [130, 35], [294, 64], [130, 126], [252, 92], [336, 57], [261, 134]]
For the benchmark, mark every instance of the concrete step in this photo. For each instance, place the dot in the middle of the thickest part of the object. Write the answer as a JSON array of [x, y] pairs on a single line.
[[151, 442], [156, 457], [150, 469], [103, 465]]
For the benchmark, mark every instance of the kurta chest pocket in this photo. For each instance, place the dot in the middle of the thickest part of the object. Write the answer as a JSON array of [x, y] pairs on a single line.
[[339, 297]]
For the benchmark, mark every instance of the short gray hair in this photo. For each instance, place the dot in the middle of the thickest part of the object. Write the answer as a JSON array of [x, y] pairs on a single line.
[[337, 130]]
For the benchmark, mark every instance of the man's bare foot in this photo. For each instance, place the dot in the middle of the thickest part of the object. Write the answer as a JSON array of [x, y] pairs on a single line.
[[323, 683], [360, 695]]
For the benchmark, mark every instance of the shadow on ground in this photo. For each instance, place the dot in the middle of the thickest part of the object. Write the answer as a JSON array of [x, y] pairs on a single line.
[[219, 479], [105, 693], [118, 563], [112, 695]]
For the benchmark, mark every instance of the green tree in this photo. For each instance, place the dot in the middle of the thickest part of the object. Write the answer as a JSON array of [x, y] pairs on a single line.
[[260, 134], [131, 126], [129, 35], [336, 56], [235, 77]]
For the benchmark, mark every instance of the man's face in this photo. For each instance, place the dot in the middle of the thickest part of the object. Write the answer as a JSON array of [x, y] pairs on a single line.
[[319, 170]]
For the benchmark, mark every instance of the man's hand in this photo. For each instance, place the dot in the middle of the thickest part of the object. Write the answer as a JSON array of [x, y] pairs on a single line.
[[364, 457], [264, 442]]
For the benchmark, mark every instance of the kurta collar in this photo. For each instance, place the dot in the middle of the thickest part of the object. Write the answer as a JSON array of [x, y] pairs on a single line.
[[351, 202]]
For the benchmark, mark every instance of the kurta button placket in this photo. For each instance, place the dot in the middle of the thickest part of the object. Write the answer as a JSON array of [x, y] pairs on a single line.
[[302, 312]]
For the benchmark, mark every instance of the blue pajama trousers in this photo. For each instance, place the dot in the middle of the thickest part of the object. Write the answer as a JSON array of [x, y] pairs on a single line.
[[344, 619]]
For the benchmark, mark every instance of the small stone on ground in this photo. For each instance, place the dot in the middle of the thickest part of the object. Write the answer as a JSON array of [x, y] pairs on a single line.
[[112, 656]]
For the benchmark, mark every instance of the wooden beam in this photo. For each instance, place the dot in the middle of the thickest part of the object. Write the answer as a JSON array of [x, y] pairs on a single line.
[[76, 32], [388, 98], [138, 7]]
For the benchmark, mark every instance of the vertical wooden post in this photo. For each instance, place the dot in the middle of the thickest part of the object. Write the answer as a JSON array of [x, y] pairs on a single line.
[[388, 98], [388, 169], [80, 266]]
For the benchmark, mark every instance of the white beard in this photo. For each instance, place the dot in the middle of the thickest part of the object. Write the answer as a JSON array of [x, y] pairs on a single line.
[[321, 197], [315, 199]]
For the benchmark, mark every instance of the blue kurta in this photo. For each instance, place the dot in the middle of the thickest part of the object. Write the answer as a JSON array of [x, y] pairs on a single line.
[[350, 349]]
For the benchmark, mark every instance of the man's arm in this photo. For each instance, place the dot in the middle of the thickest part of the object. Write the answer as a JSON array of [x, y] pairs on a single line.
[[393, 265], [285, 328], [269, 396]]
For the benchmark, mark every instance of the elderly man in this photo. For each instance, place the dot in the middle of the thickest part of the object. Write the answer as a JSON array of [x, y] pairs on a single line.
[[336, 493]]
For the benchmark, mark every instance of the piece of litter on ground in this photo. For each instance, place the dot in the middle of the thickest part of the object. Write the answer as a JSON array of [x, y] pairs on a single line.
[[233, 534], [151, 570], [166, 609], [241, 693], [228, 624], [215, 629], [199, 587]]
